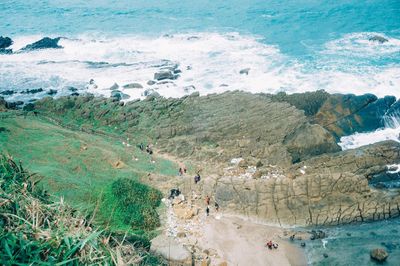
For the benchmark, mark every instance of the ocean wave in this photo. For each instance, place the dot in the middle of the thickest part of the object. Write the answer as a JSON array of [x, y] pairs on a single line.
[[209, 62]]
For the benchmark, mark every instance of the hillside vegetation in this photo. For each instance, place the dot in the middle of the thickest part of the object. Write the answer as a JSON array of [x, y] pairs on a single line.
[[34, 229]]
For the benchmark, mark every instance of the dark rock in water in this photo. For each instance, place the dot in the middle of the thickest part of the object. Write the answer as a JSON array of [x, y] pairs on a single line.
[[348, 234], [378, 38], [317, 234], [133, 86], [177, 71], [7, 92], [29, 107], [18, 103], [74, 94], [244, 71], [379, 254], [5, 51], [3, 129], [119, 95], [52, 92], [394, 231], [151, 82], [165, 74], [149, 92], [325, 255], [115, 86], [5, 42], [73, 89], [44, 43], [32, 91], [302, 244], [372, 233]]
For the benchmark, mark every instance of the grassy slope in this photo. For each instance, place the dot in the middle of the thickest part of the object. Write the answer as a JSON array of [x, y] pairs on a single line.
[[80, 175]]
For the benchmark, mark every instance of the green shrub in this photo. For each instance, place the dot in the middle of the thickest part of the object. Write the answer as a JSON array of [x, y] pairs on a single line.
[[137, 203]]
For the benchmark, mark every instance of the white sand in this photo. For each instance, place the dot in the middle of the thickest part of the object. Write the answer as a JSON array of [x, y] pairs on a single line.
[[242, 242]]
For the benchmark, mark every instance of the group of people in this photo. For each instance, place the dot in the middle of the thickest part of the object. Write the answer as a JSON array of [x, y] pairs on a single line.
[[271, 245], [216, 205], [149, 148]]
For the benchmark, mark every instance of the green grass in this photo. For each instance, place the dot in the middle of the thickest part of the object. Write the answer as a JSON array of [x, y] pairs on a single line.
[[78, 166]]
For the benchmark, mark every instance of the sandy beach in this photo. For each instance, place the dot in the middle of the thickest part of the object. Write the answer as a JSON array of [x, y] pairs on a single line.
[[242, 242]]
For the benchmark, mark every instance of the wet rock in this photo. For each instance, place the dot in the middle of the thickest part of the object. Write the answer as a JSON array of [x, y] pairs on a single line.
[[7, 92], [5, 51], [32, 91], [346, 114], [302, 244], [52, 92], [325, 255], [151, 82], [116, 94], [73, 89], [74, 94], [379, 254], [150, 92], [133, 86], [165, 74], [379, 39], [44, 43], [244, 71], [115, 86], [319, 234], [5, 42]]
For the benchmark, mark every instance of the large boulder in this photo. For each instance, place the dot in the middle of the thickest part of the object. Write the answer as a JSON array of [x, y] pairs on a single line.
[[5, 42], [379, 254], [378, 38], [346, 114], [165, 74], [44, 43], [329, 189], [310, 140]]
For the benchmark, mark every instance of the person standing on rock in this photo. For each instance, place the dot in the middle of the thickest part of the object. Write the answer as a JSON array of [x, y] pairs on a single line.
[[197, 178], [216, 205], [207, 200]]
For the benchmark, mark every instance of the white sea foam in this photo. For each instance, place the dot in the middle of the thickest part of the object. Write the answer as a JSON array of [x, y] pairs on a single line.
[[390, 132], [210, 62]]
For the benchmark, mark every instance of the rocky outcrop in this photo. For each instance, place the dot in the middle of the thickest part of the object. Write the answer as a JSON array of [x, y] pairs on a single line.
[[5, 42], [45, 43], [291, 170], [325, 190], [379, 254], [346, 114], [378, 38], [212, 128]]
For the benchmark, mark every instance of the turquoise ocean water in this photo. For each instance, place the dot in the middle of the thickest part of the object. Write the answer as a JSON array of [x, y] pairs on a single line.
[[290, 46]]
